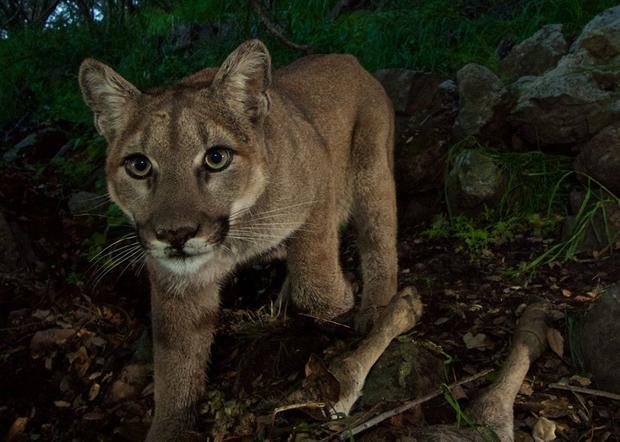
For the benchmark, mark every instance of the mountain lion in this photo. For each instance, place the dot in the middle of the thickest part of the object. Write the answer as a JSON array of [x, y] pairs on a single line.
[[232, 163]]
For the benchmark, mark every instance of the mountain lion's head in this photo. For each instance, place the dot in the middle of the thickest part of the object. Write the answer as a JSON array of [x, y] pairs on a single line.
[[184, 161]]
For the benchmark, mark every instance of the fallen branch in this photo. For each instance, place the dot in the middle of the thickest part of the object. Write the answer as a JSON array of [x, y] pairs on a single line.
[[276, 30], [407, 405], [310, 404], [584, 390]]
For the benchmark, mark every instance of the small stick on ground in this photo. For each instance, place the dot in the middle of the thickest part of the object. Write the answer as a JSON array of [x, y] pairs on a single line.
[[584, 390], [408, 405]]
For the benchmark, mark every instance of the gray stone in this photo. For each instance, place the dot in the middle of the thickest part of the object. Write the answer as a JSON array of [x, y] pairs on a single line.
[[475, 179], [17, 150], [600, 158], [405, 370], [597, 336], [423, 138], [397, 83], [600, 230], [566, 105], [601, 36], [11, 258], [537, 54], [480, 93]]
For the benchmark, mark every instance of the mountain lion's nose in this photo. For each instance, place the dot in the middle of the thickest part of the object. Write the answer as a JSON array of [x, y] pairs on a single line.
[[176, 237]]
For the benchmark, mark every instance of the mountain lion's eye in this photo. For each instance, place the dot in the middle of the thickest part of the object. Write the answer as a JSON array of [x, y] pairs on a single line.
[[218, 158], [138, 166]]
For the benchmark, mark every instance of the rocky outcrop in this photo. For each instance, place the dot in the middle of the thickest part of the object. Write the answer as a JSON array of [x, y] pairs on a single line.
[[600, 158], [566, 105], [475, 179], [535, 55], [596, 338], [481, 93], [11, 258], [601, 36], [398, 84]]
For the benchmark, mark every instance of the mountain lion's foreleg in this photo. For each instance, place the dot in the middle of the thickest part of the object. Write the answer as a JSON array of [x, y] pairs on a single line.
[[315, 280], [183, 328], [374, 217]]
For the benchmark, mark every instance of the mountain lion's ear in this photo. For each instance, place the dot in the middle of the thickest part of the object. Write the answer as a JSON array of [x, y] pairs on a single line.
[[243, 79], [108, 95]]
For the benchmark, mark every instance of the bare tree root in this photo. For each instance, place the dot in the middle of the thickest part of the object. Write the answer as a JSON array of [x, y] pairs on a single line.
[[493, 409], [400, 316], [340, 385], [495, 406]]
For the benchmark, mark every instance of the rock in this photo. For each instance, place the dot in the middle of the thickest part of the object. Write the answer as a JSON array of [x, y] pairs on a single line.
[[46, 339], [86, 202], [397, 83], [17, 150], [568, 104], [535, 55], [11, 258], [601, 36], [600, 229], [133, 379], [596, 336], [481, 93], [422, 140], [475, 179], [405, 370], [600, 158]]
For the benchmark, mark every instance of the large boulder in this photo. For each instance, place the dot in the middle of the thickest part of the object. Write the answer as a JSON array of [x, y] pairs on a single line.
[[535, 55], [423, 138], [596, 339], [601, 36], [397, 83], [600, 157], [568, 104], [474, 180], [600, 230], [11, 258], [481, 94]]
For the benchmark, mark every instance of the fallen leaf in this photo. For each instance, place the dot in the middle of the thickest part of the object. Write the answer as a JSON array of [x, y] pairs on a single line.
[[544, 430], [555, 407], [555, 341], [18, 427], [62, 404], [477, 341], [526, 389], [45, 339], [440, 321], [581, 380], [94, 391]]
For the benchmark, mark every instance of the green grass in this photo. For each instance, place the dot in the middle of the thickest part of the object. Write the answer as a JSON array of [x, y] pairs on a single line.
[[534, 203], [38, 67]]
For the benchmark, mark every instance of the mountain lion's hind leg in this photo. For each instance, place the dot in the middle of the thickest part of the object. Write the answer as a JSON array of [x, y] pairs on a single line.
[[315, 280], [374, 218]]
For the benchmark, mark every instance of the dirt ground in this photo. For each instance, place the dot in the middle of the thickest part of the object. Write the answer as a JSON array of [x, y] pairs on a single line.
[[89, 378]]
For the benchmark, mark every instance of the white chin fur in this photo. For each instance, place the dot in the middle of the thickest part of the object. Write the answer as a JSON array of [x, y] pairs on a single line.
[[187, 265]]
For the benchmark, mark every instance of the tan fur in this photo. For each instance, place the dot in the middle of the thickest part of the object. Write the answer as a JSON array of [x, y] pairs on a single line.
[[312, 148]]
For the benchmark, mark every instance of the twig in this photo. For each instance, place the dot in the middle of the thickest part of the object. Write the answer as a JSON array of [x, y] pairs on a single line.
[[407, 405], [324, 320], [295, 407], [275, 30], [584, 390]]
